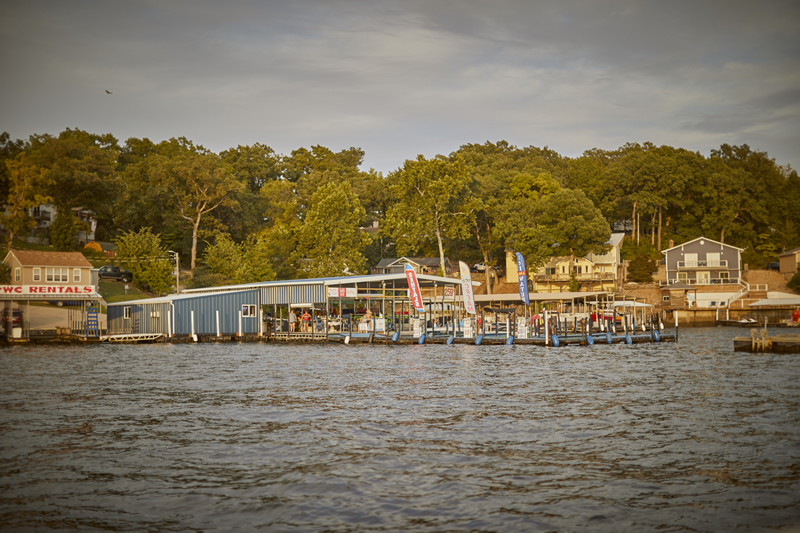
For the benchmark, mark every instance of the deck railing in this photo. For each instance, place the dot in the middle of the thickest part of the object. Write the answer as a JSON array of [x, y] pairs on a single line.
[[703, 264]]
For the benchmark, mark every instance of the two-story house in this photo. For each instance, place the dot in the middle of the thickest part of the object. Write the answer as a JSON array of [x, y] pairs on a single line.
[[593, 272], [712, 267], [421, 265], [53, 276]]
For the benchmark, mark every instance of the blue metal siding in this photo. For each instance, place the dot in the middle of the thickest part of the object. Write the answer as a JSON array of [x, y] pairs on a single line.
[[145, 318], [205, 308], [293, 294]]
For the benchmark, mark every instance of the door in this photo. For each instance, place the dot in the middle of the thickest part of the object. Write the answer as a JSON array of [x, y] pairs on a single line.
[[703, 278]]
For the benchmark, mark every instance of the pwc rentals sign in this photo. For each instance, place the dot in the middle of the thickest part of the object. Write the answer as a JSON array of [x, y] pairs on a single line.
[[46, 290]]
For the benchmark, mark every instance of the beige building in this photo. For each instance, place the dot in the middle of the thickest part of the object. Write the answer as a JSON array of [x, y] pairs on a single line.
[[789, 263], [56, 269], [594, 272]]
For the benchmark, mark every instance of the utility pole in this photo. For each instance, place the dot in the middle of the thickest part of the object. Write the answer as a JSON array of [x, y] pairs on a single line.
[[177, 272]]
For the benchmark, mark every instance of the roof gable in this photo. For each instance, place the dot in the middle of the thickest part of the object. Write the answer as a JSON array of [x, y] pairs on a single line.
[[32, 258], [702, 238], [790, 252]]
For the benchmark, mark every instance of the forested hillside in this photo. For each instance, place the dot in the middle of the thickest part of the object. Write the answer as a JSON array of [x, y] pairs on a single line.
[[250, 214]]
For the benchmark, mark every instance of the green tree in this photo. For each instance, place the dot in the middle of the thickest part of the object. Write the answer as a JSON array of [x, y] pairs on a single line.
[[431, 202], [239, 263], [794, 283], [330, 242], [641, 269], [197, 184], [564, 223], [9, 150], [63, 231], [278, 244], [144, 255], [82, 171], [27, 183]]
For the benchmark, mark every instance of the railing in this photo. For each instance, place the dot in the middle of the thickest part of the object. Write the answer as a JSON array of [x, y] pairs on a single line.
[[744, 290], [579, 277], [705, 264], [710, 281]]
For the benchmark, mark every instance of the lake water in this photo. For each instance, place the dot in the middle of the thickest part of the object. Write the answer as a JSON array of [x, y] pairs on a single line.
[[670, 437]]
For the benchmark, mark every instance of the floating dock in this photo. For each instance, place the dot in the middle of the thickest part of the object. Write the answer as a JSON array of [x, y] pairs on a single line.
[[761, 341]]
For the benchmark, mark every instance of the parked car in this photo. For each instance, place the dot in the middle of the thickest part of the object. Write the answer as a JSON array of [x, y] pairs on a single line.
[[12, 318], [774, 266], [115, 273]]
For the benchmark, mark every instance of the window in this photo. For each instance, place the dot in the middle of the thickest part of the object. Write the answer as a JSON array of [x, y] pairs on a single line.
[[665, 298], [249, 310], [57, 275], [17, 274], [683, 277], [725, 276], [37, 274], [126, 312], [76, 275]]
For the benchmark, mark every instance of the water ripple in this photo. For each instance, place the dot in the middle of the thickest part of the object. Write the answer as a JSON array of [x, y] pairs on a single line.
[[686, 437]]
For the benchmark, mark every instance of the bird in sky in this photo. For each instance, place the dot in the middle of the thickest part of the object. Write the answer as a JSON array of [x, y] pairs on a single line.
[[108, 92]]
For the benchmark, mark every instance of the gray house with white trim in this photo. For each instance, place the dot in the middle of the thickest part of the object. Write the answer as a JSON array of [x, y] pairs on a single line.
[[703, 261]]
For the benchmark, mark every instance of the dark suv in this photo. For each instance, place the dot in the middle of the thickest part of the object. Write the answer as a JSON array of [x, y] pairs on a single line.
[[115, 273]]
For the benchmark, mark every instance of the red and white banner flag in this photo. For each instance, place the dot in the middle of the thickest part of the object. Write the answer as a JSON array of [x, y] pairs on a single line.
[[413, 288], [466, 288]]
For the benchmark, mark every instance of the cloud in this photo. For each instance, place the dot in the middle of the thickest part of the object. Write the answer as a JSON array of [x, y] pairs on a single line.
[[402, 79]]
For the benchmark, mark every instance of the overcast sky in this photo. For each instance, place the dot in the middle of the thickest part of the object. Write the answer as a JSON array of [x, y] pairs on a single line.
[[399, 79]]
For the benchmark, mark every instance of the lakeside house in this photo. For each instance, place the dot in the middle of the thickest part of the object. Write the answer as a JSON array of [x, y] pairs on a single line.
[[421, 265], [702, 273], [594, 272]]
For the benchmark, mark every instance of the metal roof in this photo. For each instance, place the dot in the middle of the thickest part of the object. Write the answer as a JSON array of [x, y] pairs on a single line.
[[536, 297], [164, 299], [371, 280], [777, 302]]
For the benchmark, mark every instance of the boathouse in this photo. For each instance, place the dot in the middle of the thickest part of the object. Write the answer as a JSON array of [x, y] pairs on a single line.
[[338, 303], [222, 314]]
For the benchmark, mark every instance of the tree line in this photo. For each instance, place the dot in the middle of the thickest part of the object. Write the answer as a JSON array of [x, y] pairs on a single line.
[[250, 214]]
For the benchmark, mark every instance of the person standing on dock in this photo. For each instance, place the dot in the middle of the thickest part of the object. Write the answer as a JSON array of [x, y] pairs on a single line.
[[292, 320], [306, 321]]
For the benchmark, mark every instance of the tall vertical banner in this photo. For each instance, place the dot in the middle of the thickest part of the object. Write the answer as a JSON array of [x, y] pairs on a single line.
[[413, 289], [523, 279], [466, 288]]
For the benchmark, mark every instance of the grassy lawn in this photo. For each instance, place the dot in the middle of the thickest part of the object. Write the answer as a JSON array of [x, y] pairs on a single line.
[[114, 291]]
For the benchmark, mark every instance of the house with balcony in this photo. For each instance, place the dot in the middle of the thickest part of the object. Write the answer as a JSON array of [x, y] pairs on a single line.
[[713, 268], [593, 272], [44, 215]]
